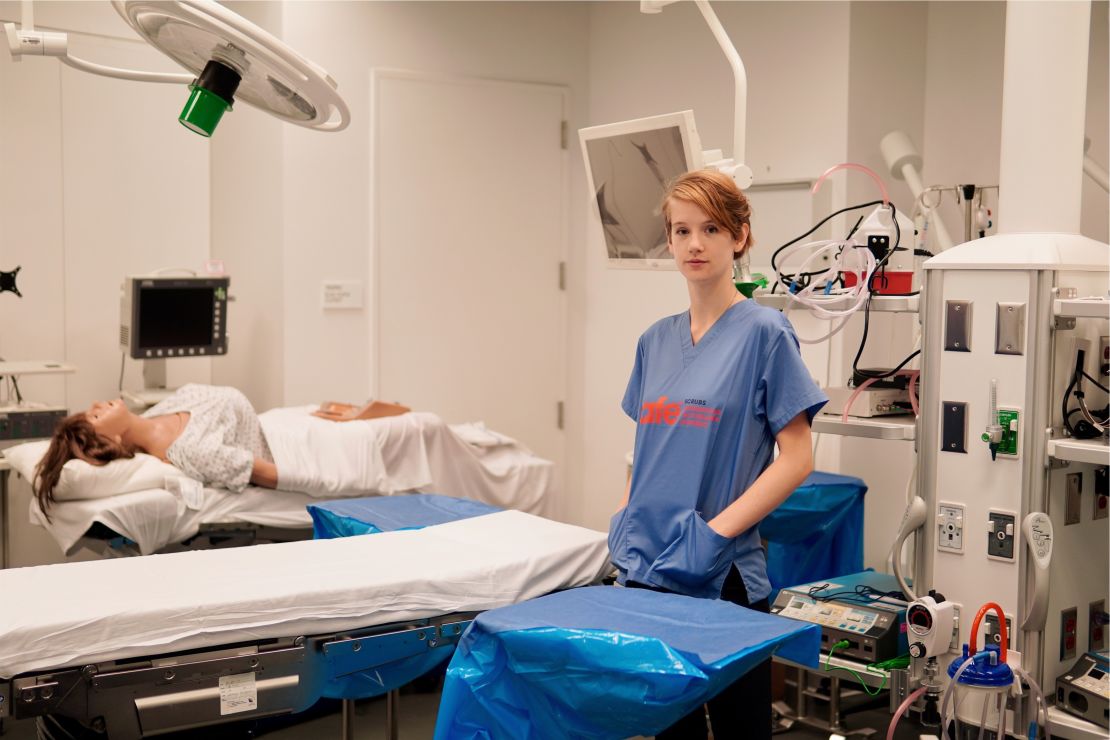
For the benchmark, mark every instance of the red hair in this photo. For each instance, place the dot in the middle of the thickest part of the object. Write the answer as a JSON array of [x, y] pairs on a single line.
[[718, 195]]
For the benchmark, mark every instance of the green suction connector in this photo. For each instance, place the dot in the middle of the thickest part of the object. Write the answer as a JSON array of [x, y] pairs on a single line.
[[747, 288], [210, 96]]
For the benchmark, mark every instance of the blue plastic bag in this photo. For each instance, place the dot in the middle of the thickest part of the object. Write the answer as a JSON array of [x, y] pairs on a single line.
[[605, 662]]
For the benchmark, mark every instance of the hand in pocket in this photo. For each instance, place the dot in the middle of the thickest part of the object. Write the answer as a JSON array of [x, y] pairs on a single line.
[[696, 557]]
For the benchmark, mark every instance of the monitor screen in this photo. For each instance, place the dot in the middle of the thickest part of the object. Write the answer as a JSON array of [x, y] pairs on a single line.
[[174, 316], [629, 166]]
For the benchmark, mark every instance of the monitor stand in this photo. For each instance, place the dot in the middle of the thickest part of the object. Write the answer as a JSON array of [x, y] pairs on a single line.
[[154, 387]]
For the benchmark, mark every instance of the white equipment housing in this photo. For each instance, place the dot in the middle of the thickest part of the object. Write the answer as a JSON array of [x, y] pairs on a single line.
[[1000, 308]]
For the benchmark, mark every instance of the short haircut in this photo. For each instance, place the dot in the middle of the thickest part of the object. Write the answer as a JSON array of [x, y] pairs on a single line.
[[718, 195]]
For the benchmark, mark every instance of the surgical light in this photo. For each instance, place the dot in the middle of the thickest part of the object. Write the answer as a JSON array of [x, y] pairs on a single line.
[[227, 57]]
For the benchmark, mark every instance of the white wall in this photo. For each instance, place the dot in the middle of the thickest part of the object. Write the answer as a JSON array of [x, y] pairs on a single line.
[[1095, 214], [98, 183], [248, 235], [963, 100], [326, 177]]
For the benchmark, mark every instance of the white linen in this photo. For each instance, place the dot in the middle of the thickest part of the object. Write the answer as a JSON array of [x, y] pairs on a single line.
[[81, 480], [56, 616], [411, 452], [156, 518]]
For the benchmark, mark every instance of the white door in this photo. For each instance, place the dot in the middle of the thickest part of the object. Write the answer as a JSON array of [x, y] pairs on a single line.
[[469, 211]]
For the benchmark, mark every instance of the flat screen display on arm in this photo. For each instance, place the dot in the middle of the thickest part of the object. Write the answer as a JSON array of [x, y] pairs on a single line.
[[629, 166]]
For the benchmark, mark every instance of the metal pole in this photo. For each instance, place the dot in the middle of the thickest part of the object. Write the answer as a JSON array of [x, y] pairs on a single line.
[[392, 708], [5, 533], [347, 723], [969, 224], [834, 705]]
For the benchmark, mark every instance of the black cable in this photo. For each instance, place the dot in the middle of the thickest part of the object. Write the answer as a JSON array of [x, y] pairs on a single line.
[[819, 224], [863, 343], [1064, 408], [122, 359], [860, 594], [1100, 385]]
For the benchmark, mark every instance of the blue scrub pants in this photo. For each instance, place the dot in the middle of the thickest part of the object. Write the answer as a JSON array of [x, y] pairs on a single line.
[[743, 709]]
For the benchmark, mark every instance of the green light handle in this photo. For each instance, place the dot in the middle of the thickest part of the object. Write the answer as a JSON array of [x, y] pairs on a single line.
[[203, 111]]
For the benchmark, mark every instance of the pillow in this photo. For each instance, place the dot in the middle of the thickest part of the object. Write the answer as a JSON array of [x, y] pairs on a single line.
[[82, 480]]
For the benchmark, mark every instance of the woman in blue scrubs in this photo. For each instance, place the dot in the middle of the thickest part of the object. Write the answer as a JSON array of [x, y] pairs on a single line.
[[713, 390]]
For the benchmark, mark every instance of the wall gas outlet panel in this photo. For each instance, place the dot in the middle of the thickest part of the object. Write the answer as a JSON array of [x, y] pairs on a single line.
[[994, 632], [950, 527], [1001, 535]]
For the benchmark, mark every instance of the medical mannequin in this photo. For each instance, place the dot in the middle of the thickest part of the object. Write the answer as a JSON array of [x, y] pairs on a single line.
[[211, 433], [713, 390]]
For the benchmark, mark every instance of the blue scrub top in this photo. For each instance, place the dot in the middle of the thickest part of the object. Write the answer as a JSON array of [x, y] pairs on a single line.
[[707, 416]]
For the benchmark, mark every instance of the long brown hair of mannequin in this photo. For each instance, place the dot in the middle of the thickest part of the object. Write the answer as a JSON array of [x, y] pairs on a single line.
[[74, 438]]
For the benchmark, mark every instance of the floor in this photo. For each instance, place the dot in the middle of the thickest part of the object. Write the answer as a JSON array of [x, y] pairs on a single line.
[[417, 722]]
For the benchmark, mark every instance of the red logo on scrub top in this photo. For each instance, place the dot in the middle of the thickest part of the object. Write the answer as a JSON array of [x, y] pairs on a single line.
[[671, 413]]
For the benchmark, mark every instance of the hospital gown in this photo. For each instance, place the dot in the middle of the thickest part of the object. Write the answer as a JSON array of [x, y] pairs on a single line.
[[221, 439]]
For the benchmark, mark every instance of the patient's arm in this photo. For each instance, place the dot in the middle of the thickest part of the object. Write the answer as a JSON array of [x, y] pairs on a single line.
[[374, 410], [264, 473]]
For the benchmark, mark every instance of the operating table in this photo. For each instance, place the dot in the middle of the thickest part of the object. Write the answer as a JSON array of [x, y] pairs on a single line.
[[143, 646]]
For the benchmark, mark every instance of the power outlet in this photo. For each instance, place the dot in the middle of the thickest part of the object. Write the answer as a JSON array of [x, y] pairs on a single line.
[[1096, 625], [1001, 535], [1069, 632], [994, 632], [1073, 500], [950, 527]]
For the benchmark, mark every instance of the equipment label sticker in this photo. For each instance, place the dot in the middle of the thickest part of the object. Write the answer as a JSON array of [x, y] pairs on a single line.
[[238, 694]]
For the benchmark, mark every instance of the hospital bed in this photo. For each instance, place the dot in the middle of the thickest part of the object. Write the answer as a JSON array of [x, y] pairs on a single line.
[[146, 509], [143, 646]]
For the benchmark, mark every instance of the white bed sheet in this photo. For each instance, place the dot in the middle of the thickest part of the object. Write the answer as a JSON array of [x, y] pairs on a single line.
[[56, 616], [156, 518], [412, 452]]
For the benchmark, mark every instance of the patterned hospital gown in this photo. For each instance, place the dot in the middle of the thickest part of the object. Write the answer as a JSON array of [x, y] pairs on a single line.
[[221, 439]]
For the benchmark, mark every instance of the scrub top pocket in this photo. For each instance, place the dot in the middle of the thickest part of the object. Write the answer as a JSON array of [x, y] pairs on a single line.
[[693, 561]]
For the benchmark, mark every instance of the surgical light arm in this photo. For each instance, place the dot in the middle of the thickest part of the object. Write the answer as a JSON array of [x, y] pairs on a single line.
[[904, 162], [26, 41], [736, 167]]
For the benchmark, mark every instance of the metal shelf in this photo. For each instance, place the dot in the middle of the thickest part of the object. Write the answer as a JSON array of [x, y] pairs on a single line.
[[35, 368], [880, 427], [1093, 451], [1091, 308], [1076, 728], [892, 304], [879, 678]]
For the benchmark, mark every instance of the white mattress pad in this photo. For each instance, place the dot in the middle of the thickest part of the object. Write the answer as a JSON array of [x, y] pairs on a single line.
[[55, 616]]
